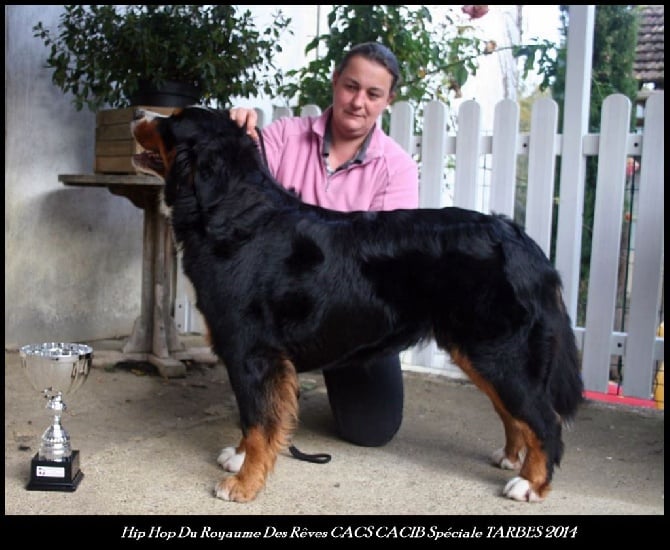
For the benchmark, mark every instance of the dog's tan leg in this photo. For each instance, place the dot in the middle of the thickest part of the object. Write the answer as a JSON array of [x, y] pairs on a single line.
[[511, 456], [532, 482], [261, 443]]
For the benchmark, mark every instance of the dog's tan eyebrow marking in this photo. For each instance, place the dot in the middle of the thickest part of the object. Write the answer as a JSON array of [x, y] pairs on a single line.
[[153, 114]]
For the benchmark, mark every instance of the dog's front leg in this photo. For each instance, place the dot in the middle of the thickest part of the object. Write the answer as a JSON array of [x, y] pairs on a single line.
[[277, 411], [232, 458]]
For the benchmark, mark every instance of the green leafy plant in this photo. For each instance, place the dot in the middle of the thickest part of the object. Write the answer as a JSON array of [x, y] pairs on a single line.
[[101, 53], [435, 59]]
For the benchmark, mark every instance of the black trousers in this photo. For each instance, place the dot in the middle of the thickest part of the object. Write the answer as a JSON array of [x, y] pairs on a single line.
[[367, 400]]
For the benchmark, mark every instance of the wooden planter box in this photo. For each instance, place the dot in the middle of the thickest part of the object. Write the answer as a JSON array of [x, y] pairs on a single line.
[[114, 144]]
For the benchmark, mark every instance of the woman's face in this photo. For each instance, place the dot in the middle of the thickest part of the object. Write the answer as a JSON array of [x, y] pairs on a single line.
[[360, 93]]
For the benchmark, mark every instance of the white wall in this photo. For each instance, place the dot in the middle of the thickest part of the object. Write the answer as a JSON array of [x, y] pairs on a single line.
[[72, 255]]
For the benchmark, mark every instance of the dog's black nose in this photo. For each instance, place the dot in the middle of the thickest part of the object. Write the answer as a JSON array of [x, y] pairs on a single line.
[[138, 114]]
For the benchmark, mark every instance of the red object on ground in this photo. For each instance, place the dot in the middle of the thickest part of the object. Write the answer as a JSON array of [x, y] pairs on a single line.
[[615, 396]]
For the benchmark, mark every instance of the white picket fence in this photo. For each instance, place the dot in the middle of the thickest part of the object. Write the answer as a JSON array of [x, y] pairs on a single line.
[[478, 171]]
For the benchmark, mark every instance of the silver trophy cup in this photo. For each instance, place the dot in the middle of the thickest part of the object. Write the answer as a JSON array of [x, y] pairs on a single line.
[[56, 369]]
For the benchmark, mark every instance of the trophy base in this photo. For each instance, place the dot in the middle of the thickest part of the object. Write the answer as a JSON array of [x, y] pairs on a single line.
[[48, 475]]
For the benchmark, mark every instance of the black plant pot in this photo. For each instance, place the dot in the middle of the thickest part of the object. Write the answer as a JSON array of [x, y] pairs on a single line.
[[169, 94]]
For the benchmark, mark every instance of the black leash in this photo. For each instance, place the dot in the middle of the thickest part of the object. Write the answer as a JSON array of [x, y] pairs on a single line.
[[262, 143], [318, 458]]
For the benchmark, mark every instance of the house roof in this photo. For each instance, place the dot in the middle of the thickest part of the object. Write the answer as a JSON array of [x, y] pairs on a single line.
[[649, 54]]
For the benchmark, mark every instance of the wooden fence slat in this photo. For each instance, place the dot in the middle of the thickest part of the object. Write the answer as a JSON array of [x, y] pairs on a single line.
[[573, 163], [260, 113], [468, 148], [503, 162], [639, 346], [610, 185], [433, 146], [541, 171], [310, 110], [402, 125], [648, 250], [279, 112], [431, 179]]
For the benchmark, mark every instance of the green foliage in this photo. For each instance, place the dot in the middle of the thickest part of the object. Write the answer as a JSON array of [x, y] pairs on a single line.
[[100, 53], [435, 59], [614, 44], [541, 57]]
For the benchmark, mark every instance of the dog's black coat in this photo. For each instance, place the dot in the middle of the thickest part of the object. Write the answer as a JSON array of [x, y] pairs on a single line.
[[278, 279]]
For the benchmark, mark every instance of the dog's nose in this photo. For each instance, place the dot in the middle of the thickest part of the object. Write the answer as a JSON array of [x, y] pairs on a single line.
[[138, 114]]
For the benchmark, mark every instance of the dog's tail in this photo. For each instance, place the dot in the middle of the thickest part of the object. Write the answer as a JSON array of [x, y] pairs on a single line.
[[531, 274], [565, 381]]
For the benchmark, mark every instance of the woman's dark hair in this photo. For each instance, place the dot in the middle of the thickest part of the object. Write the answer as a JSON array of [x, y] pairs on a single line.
[[373, 51]]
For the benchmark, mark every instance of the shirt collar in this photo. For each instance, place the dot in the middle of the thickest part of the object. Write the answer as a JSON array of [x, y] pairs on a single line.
[[328, 136]]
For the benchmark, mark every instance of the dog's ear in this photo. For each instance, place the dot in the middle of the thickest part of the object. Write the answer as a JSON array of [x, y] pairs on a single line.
[[210, 176], [218, 211], [179, 178]]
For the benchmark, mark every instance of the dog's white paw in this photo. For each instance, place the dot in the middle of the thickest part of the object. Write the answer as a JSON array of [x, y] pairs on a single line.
[[499, 458], [233, 489], [222, 491], [518, 488], [231, 461]]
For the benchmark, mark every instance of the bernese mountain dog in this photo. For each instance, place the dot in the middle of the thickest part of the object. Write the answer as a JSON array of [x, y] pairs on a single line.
[[286, 287]]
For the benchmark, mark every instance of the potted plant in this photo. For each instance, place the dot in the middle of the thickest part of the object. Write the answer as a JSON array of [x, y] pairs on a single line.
[[108, 55]]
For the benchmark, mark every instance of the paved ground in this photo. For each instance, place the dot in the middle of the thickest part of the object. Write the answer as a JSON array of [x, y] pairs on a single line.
[[149, 445]]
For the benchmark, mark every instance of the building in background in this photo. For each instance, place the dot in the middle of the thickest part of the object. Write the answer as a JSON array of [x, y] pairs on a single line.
[[648, 66]]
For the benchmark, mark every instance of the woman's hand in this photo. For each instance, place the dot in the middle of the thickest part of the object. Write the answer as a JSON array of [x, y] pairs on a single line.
[[245, 118]]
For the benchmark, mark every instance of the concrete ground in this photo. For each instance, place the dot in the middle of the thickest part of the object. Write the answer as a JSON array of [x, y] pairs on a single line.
[[148, 447]]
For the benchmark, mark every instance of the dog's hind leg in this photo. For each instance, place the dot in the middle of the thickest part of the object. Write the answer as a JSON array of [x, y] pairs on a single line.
[[523, 449], [512, 455], [533, 482], [263, 438]]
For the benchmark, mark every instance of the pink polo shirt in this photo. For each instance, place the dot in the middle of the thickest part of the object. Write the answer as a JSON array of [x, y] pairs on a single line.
[[387, 179]]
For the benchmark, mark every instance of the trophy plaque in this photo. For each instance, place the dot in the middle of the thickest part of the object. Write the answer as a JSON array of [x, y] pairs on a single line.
[[56, 369]]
